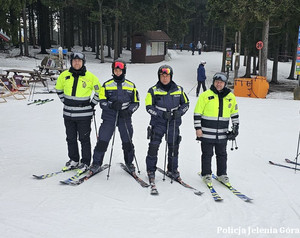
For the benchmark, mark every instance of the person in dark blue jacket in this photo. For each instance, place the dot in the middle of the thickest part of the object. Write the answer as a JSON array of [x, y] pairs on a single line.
[[166, 102], [201, 77], [119, 99]]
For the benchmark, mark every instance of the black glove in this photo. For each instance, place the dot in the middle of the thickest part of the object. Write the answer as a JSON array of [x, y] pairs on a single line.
[[116, 105], [167, 116], [231, 135], [125, 113], [176, 114]]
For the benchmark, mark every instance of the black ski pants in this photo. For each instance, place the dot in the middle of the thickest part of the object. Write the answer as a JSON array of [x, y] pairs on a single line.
[[80, 129], [207, 154], [199, 86]]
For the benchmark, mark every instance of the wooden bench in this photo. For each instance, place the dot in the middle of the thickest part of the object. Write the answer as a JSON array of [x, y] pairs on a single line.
[[31, 77]]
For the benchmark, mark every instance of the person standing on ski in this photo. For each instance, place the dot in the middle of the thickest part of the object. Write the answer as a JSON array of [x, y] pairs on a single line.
[[166, 102], [119, 99], [75, 88], [201, 77], [214, 109]]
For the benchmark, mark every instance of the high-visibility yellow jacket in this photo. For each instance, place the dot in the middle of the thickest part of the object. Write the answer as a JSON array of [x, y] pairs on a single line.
[[122, 90], [213, 112], [75, 93]]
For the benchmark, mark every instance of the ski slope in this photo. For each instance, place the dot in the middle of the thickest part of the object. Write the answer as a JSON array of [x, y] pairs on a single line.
[[32, 141]]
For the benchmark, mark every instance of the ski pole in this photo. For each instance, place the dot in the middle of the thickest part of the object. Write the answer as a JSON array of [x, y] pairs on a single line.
[[234, 141], [112, 144], [173, 145], [236, 147], [95, 124], [130, 139], [192, 88], [297, 155], [167, 136]]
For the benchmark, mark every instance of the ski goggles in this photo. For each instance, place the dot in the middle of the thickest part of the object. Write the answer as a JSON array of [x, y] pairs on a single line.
[[165, 71], [119, 65], [78, 55], [221, 77]]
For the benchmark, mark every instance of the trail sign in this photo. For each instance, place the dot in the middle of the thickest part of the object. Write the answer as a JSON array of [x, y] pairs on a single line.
[[259, 45]]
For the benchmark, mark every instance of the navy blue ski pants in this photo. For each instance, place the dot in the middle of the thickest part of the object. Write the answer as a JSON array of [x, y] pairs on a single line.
[[106, 131], [173, 140]]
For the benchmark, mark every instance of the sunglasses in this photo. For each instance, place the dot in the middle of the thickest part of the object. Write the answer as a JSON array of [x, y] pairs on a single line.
[[78, 56], [119, 65], [165, 71], [221, 77]]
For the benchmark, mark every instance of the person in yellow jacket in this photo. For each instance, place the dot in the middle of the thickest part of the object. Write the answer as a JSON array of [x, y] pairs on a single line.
[[75, 88], [214, 109]]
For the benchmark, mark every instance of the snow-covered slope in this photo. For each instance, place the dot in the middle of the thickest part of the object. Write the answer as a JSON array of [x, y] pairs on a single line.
[[32, 141]]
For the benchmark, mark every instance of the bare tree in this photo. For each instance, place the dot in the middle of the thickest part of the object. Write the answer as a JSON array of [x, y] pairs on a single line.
[[116, 48], [264, 50], [237, 53], [224, 49], [100, 2], [26, 52]]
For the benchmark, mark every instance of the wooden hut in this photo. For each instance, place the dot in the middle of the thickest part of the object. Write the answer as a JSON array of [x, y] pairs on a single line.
[[149, 47]]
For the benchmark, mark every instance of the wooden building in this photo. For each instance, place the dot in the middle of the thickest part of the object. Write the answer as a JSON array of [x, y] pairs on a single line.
[[149, 47]]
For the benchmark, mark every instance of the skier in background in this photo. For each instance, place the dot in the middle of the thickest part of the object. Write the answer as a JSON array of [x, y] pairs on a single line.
[[201, 77], [199, 47]]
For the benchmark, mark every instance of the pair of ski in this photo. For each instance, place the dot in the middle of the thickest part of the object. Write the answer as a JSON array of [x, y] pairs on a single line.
[[40, 101], [49, 175], [218, 198], [286, 166], [154, 190], [66, 181], [102, 168], [75, 180]]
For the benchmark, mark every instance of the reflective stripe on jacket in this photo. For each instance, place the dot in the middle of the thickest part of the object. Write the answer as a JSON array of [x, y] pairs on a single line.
[[213, 113], [118, 90], [77, 101], [158, 101]]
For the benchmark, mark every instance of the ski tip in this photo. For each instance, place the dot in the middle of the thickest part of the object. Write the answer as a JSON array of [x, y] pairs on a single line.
[[154, 193], [219, 200], [36, 176], [271, 162], [287, 160], [64, 182]]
